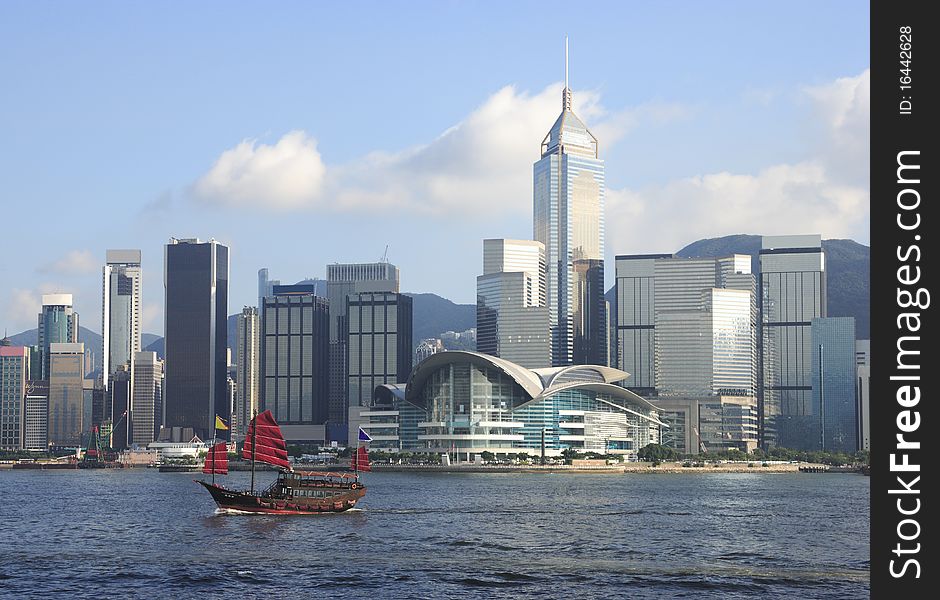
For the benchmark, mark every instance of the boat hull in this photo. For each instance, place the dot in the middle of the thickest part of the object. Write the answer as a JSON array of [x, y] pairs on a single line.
[[246, 502]]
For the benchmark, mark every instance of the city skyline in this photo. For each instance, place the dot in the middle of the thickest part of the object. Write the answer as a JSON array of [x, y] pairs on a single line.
[[670, 134]]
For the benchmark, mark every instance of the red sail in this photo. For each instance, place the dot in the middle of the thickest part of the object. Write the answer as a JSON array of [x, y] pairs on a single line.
[[360, 460], [216, 460], [269, 445]]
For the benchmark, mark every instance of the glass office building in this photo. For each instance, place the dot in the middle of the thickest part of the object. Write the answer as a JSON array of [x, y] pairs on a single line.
[[120, 314], [294, 360], [196, 336], [58, 324], [470, 402], [569, 189], [512, 318], [66, 394], [792, 292], [687, 326], [834, 416]]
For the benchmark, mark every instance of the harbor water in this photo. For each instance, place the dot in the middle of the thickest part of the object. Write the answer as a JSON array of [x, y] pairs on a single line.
[[137, 533]]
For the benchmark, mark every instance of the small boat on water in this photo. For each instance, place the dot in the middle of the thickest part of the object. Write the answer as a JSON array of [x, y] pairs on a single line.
[[293, 492]]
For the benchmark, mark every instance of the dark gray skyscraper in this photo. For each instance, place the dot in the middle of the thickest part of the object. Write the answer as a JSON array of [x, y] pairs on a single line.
[[378, 342], [344, 280], [294, 361], [196, 281]]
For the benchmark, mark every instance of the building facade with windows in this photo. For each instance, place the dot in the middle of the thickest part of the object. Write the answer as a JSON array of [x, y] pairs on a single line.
[[146, 414], [196, 278], [512, 317], [379, 333], [58, 324], [687, 326], [792, 292], [248, 369], [294, 346], [568, 210], [832, 424], [66, 394], [344, 280], [120, 314], [14, 374]]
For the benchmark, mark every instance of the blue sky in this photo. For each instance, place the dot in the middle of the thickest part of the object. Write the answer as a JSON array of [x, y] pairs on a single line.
[[308, 133]]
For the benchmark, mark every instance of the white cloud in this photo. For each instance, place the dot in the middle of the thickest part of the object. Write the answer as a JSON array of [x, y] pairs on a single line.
[[76, 262], [287, 175], [482, 165], [22, 308], [826, 193], [844, 108], [778, 200], [151, 318]]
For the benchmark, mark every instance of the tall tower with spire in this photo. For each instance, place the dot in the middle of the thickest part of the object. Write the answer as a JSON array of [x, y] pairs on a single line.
[[568, 194]]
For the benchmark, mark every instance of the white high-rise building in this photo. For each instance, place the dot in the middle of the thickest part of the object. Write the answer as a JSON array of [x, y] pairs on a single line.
[[512, 316], [247, 369], [120, 314], [146, 413], [687, 326]]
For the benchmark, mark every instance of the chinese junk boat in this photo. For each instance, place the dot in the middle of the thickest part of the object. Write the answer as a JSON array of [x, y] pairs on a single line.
[[294, 492]]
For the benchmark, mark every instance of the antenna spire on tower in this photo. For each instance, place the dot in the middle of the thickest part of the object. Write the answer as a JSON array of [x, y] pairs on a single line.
[[566, 93], [566, 62]]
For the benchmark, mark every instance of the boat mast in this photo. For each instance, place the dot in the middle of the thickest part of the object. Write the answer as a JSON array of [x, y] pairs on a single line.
[[212, 452], [254, 435]]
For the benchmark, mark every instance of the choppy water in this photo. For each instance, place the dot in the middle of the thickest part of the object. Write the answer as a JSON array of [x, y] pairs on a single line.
[[142, 534]]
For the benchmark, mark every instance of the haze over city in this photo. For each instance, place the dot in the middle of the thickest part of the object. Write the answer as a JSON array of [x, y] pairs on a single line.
[[300, 144]]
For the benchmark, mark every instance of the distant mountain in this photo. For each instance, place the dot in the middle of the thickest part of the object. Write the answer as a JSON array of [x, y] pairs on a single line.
[[86, 336], [148, 338], [155, 346], [433, 315], [847, 278]]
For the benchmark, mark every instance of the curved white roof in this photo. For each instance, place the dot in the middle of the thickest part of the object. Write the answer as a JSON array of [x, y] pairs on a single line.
[[555, 375], [530, 382]]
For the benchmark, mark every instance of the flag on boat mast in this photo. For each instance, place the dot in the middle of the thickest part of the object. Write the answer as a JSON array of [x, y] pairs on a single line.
[[363, 436], [219, 423]]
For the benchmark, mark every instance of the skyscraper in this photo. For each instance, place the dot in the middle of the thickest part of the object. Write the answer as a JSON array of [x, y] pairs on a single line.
[[120, 320], [36, 416], [378, 342], [568, 189], [66, 396], [862, 393], [248, 367], [294, 361], [512, 318], [58, 324], [14, 373], [146, 413], [667, 305], [196, 281], [344, 280], [265, 286], [834, 418], [709, 349], [792, 292]]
